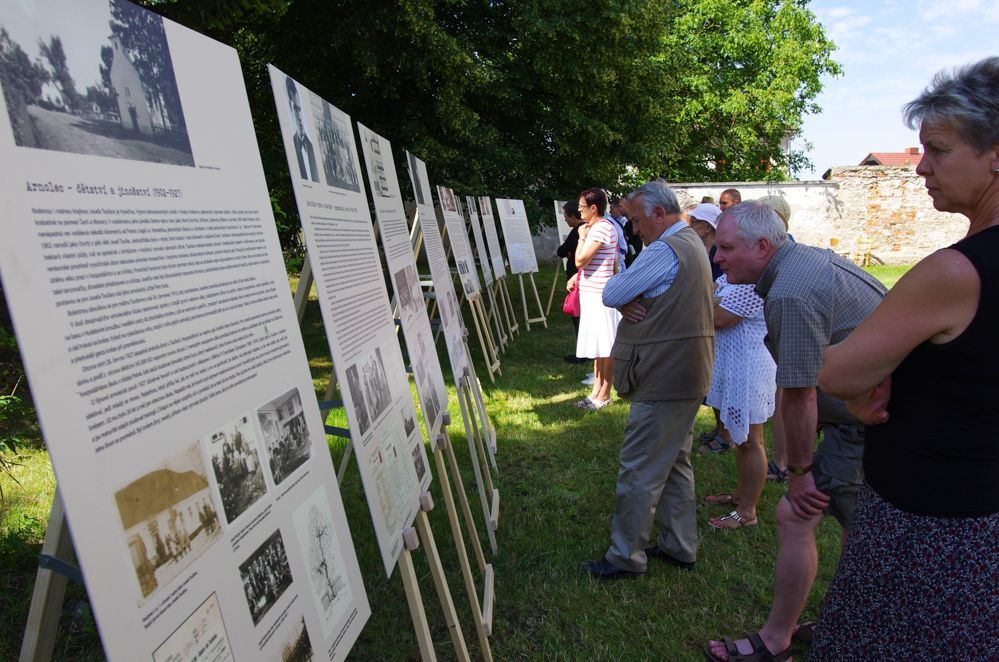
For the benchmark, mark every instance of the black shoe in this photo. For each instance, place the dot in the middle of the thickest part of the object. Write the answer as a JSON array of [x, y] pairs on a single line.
[[653, 552], [604, 569]]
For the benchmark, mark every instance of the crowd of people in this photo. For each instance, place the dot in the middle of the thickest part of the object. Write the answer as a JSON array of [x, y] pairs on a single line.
[[899, 386]]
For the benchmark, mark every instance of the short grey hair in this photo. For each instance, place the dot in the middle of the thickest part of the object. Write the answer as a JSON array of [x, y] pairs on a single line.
[[966, 99], [655, 194], [754, 220]]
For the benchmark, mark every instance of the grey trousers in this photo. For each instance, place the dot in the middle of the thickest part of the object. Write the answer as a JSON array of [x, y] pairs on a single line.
[[655, 479]]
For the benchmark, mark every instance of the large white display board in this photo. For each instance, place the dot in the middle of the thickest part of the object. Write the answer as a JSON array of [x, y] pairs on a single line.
[[355, 307], [148, 291], [461, 248], [560, 225], [480, 244], [492, 236], [517, 233], [394, 230], [433, 245]]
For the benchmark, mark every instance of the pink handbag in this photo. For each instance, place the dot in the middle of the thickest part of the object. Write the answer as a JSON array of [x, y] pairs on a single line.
[[571, 304]]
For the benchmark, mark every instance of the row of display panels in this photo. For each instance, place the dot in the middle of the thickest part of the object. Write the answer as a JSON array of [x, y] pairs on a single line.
[[147, 288]]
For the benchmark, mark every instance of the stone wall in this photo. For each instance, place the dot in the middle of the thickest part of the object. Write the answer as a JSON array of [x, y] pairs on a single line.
[[887, 205]]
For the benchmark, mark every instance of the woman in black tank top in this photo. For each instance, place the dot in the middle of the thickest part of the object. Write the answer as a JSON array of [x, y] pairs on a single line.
[[919, 572]]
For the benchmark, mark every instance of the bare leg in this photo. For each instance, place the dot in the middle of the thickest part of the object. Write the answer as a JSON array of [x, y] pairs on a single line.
[[797, 563], [603, 378], [751, 463]]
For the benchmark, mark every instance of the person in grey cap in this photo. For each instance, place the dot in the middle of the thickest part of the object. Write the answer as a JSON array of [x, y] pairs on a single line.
[[704, 220]]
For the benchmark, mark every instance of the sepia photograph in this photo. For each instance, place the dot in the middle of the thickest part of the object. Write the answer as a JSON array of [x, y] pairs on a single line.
[[414, 172], [418, 463], [286, 437], [447, 199], [336, 145], [266, 575], [200, 638], [98, 80], [305, 152], [317, 540], [403, 288], [297, 647], [169, 518], [408, 422], [236, 465], [369, 385]]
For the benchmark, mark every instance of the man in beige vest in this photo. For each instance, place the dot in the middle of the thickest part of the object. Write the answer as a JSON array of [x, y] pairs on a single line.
[[663, 356]]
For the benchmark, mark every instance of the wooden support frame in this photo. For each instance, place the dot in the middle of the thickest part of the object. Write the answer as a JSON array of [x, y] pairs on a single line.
[[551, 295], [523, 298], [506, 305]]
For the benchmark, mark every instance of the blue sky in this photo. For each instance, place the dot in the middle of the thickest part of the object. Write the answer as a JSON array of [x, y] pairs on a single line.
[[889, 51]]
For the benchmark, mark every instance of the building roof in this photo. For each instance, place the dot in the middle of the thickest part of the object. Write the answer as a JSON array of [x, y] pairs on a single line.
[[909, 158]]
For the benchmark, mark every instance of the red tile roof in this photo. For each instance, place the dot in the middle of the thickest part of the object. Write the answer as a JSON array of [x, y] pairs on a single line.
[[910, 157]]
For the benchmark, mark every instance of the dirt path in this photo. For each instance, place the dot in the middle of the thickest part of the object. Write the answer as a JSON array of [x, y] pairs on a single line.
[[70, 133]]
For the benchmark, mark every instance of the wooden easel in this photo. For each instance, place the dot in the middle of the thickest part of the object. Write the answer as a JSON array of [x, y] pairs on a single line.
[[551, 295], [523, 298], [506, 305]]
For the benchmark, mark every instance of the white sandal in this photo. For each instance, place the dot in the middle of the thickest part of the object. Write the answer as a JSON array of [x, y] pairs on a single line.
[[734, 516]]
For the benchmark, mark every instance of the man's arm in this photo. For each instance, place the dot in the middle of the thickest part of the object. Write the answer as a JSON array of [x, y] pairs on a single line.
[[800, 413], [651, 268]]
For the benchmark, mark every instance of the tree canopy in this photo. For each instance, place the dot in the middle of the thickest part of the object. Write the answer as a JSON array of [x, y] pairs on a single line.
[[539, 99]]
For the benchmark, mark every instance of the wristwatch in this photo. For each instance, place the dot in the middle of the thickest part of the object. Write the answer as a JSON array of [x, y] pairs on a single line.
[[798, 471]]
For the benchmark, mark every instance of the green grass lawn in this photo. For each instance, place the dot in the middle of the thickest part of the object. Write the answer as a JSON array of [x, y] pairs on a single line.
[[557, 468]]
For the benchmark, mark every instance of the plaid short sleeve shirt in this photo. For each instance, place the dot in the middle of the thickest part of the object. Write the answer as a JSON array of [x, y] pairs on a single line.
[[813, 299]]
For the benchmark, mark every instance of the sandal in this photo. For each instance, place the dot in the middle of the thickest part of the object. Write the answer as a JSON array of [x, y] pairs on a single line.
[[776, 473], [705, 437], [716, 445], [584, 403], [760, 652], [597, 405], [734, 516], [803, 633], [726, 499]]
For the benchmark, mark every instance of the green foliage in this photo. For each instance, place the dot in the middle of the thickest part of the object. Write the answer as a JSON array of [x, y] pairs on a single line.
[[538, 100]]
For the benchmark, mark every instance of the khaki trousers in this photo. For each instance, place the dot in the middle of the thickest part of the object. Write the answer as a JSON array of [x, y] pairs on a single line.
[[655, 479]]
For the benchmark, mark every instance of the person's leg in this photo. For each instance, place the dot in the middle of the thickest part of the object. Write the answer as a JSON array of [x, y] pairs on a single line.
[[606, 378], [676, 511], [644, 463], [751, 463], [794, 574]]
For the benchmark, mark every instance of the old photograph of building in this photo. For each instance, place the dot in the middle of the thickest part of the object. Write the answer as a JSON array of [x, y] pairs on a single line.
[[286, 437]]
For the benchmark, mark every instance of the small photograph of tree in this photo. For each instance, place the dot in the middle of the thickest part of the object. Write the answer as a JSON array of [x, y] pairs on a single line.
[[318, 540], [118, 54]]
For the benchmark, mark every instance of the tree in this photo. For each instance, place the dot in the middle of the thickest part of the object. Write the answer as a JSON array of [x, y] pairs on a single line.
[[56, 56], [22, 82], [321, 559], [539, 99]]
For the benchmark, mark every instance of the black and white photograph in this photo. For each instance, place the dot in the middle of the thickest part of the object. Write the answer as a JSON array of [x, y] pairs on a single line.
[[447, 199], [266, 575], [418, 463], [286, 437], [414, 172], [317, 539], [200, 638], [357, 397], [169, 518], [369, 384], [376, 168], [97, 80], [297, 647], [305, 151], [408, 422], [404, 289], [336, 146], [236, 465]]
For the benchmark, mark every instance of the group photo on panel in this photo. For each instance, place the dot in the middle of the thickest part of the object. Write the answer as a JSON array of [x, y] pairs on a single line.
[[229, 428]]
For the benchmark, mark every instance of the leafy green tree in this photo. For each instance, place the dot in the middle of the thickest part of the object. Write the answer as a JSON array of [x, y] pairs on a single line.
[[539, 99], [22, 82]]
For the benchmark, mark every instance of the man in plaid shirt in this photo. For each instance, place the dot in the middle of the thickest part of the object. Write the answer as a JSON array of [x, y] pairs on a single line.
[[812, 299]]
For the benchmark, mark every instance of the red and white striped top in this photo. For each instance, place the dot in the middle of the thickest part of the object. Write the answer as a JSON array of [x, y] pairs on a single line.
[[594, 275]]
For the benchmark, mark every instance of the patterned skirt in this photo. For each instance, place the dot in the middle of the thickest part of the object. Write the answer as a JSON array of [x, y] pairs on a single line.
[[912, 587]]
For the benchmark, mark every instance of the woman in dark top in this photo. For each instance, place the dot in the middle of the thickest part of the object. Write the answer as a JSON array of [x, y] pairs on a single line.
[[919, 574], [567, 251]]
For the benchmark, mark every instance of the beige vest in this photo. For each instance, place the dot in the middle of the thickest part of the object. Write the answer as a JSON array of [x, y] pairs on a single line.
[[669, 354]]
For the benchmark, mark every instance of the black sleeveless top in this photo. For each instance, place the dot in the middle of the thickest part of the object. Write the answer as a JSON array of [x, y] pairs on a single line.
[[938, 454]]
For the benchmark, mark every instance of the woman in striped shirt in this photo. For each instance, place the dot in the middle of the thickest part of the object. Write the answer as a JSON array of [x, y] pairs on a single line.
[[596, 258]]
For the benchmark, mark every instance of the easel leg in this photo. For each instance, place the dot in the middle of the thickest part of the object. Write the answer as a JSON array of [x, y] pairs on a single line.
[[481, 628], [415, 601], [523, 300], [470, 433], [551, 295], [440, 583], [537, 300], [50, 590]]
